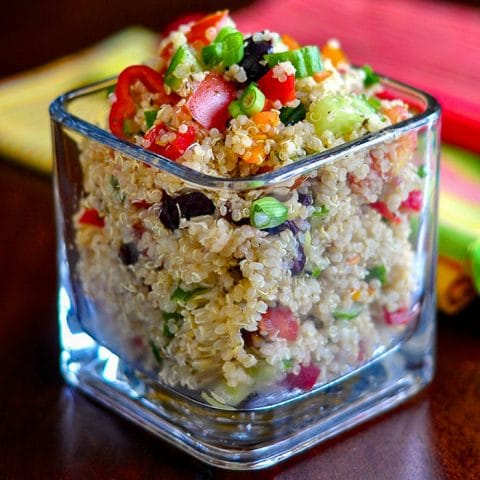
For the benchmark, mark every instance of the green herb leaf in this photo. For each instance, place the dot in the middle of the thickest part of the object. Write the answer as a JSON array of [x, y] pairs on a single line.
[[316, 272], [371, 78], [422, 171], [156, 352], [183, 296], [348, 314], [290, 116], [150, 117], [320, 211], [379, 272], [268, 212]]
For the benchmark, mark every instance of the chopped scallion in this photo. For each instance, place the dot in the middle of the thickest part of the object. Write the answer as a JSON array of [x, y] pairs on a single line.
[[306, 60], [235, 109], [150, 117], [180, 295], [350, 314], [183, 63], [252, 100], [155, 351], [212, 54], [371, 78], [232, 49], [268, 212], [422, 171], [375, 103], [316, 272], [320, 212], [290, 115], [379, 272]]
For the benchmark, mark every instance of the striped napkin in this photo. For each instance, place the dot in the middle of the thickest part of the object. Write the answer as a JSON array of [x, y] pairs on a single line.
[[389, 34]]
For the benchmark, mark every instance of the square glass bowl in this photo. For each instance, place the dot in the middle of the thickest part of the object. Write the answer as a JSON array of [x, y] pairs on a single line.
[[241, 345]]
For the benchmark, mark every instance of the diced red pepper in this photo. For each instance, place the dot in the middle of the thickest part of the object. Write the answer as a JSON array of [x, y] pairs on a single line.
[[209, 103], [123, 107], [172, 150], [401, 316], [279, 322], [305, 380], [414, 201], [199, 29], [91, 217], [274, 89], [141, 204], [385, 212]]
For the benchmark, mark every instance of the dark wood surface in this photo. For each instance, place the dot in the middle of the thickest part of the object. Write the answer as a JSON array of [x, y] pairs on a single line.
[[50, 431]]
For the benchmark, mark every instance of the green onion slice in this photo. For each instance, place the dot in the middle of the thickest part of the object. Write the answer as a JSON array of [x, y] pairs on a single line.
[[316, 272], [379, 272], [150, 117], [350, 314], [212, 54], [235, 109], [268, 212], [306, 60], [232, 49], [290, 115], [252, 100], [180, 295], [183, 63], [371, 78], [320, 211]]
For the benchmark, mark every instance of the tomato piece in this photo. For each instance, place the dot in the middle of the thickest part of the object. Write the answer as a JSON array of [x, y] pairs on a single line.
[[385, 212], [305, 380], [91, 217], [401, 316], [279, 322], [414, 201], [174, 149], [274, 89], [209, 103], [198, 30]]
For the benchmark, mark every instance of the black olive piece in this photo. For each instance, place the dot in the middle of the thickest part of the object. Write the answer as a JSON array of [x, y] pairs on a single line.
[[194, 204], [305, 199], [128, 253], [169, 214], [290, 224], [298, 263], [253, 62]]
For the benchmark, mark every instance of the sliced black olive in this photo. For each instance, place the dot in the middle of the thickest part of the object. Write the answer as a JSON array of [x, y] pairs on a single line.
[[298, 263], [305, 199], [128, 253], [169, 214], [253, 62], [194, 204]]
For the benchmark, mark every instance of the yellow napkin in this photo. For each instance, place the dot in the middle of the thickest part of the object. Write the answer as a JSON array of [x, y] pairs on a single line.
[[24, 99]]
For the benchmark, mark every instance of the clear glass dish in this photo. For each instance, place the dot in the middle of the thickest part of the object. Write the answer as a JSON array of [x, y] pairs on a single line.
[[171, 328]]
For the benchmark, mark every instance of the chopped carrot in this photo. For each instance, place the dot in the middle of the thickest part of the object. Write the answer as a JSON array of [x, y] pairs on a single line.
[[335, 54], [290, 42], [356, 295], [271, 118], [321, 76], [298, 181], [354, 259], [255, 154]]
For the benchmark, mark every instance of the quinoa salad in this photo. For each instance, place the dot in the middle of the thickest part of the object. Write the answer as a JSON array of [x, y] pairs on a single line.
[[236, 294]]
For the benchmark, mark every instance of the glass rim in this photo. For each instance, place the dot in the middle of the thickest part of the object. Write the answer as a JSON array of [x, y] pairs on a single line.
[[59, 113]]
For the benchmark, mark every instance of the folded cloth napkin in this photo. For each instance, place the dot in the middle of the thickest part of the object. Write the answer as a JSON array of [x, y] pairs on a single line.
[[24, 103], [24, 99]]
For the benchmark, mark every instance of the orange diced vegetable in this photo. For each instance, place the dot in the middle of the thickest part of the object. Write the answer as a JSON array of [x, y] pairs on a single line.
[[290, 42]]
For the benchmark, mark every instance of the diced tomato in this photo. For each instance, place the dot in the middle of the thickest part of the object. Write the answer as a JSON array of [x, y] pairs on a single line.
[[209, 103], [401, 316], [91, 217], [199, 29], [172, 150], [385, 212], [141, 204], [305, 380], [414, 201], [274, 89], [279, 322]]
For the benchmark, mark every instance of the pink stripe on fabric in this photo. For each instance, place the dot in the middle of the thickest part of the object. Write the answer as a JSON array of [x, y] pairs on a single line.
[[455, 183]]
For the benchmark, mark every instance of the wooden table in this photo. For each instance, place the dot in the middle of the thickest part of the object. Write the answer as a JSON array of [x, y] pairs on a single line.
[[50, 431]]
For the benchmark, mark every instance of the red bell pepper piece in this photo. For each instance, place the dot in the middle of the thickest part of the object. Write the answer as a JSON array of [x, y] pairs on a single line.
[[279, 322], [124, 107], [91, 217], [171, 150], [209, 103], [385, 212], [414, 201], [198, 30], [401, 316], [274, 89], [305, 380]]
